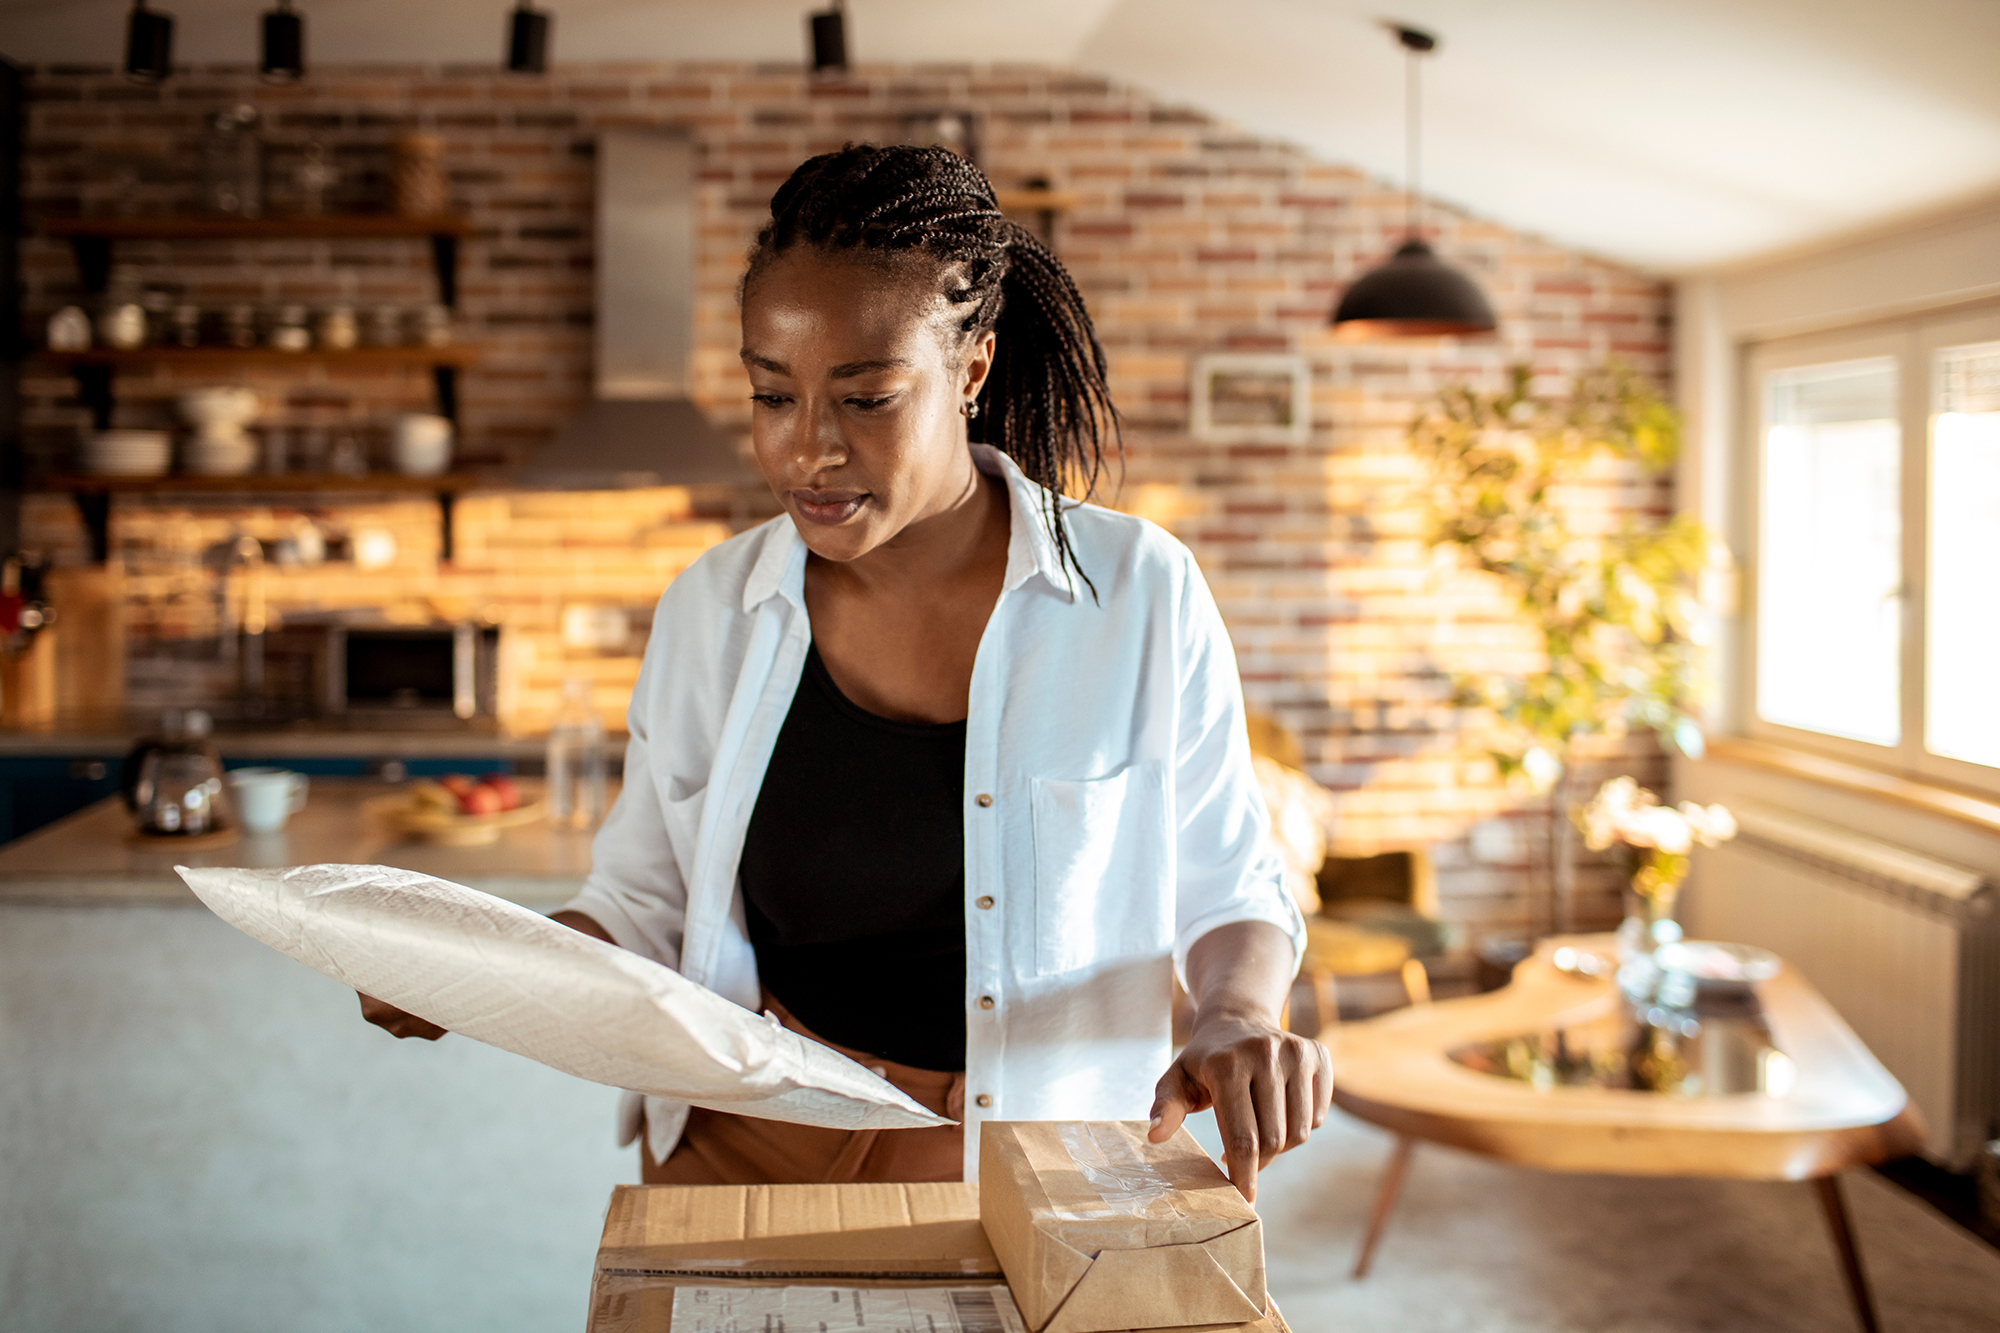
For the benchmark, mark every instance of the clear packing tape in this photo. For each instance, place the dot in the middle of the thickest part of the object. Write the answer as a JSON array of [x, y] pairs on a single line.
[[1111, 1156], [499, 973]]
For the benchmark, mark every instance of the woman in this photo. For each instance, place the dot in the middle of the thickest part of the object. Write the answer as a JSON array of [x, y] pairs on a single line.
[[945, 771]]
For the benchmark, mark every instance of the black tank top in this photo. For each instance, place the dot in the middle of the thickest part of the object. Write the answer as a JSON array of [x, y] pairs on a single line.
[[853, 876]]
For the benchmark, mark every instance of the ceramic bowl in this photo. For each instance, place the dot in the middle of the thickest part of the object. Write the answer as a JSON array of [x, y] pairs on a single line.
[[219, 406], [127, 453]]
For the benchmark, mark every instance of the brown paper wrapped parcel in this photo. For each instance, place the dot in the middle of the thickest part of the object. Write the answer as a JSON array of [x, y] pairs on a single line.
[[1098, 1229]]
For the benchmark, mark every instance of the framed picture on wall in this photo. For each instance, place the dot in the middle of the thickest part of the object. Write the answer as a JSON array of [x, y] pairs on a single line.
[[1244, 398]]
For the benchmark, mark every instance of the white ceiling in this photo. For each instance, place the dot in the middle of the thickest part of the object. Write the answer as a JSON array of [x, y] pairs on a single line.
[[1673, 134]]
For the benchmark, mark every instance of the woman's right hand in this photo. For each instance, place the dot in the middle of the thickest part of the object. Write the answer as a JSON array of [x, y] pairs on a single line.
[[397, 1022], [401, 1023]]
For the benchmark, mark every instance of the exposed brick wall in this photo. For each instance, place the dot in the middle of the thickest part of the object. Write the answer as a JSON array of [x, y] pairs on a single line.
[[1190, 236]]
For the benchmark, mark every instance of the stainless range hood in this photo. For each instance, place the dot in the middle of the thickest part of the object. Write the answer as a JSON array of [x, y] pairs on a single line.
[[640, 429]]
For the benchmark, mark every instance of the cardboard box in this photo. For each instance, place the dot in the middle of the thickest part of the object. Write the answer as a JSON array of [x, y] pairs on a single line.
[[658, 1238], [1098, 1229]]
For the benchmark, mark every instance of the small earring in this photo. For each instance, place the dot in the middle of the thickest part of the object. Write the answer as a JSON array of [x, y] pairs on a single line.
[[969, 408]]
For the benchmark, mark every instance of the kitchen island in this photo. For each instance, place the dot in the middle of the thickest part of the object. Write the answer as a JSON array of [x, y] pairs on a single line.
[[197, 1132], [53, 770], [89, 857]]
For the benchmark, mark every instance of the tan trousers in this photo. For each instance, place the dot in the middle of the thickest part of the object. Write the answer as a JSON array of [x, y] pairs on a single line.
[[722, 1149]]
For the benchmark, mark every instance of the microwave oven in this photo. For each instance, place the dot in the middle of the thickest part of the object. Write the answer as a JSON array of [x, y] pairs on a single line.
[[384, 672]]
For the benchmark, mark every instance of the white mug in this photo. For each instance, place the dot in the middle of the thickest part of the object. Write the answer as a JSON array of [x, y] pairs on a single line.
[[266, 797], [422, 444]]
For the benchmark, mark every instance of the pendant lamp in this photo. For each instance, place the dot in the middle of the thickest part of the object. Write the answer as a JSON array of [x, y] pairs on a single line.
[[527, 40], [284, 54], [149, 44], [1415, 294]]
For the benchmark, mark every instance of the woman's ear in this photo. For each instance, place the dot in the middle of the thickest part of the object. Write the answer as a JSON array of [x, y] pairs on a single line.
[[978, 364]]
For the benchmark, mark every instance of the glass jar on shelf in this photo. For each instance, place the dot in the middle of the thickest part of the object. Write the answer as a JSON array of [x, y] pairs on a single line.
[[232, 155], [385, 326], [184, 326], [158, 303], [122, 325], [239, 326], [338, 329], [288, 331], [433, 326]]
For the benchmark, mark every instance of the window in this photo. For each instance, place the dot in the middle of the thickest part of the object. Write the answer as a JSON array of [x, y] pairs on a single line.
[[1876, 547], [1829, 551], [1962, 720]]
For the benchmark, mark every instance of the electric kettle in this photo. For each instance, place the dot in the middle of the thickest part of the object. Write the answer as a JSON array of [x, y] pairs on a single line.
[[173, 782]]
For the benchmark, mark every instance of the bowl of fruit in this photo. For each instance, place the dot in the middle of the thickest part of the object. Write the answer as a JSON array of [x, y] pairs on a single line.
[[457, 810]]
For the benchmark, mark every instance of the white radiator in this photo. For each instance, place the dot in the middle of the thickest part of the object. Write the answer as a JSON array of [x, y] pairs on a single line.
[[1905, 946]]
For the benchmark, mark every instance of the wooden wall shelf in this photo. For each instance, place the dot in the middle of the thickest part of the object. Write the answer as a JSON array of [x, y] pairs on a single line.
[[362, 226], [260, 484], [457, 355], [92, 240], [93, 495], [1035, 201]]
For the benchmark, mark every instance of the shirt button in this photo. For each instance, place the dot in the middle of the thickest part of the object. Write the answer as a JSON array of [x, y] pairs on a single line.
[[982, 1100], [986, 1002], [983, 800], [984, 902]]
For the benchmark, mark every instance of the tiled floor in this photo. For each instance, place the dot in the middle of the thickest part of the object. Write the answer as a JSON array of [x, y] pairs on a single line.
[[1476, 1245]]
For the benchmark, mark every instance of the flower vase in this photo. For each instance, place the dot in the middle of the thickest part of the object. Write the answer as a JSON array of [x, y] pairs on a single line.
[[1648, 926]]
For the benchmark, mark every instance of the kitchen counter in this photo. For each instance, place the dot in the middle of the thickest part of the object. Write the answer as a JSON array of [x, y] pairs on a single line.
[[97, 738], [88, 857], [207, 1135]]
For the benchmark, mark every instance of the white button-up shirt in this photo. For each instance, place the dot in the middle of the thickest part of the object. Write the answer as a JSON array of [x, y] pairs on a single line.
[[1112, 817]]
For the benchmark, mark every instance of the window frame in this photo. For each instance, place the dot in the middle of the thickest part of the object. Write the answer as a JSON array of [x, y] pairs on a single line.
[[1913, 343], [1934, 336]]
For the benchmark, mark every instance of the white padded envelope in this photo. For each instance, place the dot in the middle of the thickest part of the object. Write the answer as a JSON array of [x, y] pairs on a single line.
[[502, 974]]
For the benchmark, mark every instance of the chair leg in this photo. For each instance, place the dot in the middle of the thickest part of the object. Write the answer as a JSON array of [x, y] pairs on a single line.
[[1385, 1200], [1416, 981], [1325, 997], [1830, 1200]]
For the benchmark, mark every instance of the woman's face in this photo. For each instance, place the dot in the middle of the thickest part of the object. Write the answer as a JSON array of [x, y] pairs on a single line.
[[856, 391]]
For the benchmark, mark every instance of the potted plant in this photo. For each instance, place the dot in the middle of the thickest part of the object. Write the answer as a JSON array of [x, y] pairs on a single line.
[[1615, 613]]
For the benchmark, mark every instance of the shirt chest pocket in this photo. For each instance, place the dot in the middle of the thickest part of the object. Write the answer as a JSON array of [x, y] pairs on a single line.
[[1103, 868], [681, 813]]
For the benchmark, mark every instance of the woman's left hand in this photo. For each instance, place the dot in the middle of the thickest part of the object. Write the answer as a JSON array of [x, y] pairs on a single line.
[[1269, 1088]]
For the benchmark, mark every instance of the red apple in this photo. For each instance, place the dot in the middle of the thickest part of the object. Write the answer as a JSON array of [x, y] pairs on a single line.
[[458, 784], [481, 800], [510, 795]]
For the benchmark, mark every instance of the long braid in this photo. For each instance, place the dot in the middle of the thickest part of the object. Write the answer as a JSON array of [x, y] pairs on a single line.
[[1045, 401]]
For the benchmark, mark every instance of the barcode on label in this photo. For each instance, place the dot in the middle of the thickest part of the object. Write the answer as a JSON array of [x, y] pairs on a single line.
[[976, 1312]]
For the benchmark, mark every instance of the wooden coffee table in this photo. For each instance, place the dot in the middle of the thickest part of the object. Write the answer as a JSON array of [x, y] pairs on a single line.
[[1765, 1085]]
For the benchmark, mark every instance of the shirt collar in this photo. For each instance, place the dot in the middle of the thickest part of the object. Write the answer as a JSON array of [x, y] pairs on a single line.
[[781, 566], [1030, 548]]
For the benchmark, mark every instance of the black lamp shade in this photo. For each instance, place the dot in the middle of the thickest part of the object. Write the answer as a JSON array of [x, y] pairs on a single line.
[[1414, 295], [149, 46], [527, 41], [284, 46], [829, 40]]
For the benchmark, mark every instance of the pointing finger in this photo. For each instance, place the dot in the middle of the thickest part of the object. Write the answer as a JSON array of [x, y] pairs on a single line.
[[1236, 1119]]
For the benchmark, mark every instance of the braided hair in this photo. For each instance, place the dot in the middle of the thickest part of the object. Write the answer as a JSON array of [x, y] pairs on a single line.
[[1046, 404]]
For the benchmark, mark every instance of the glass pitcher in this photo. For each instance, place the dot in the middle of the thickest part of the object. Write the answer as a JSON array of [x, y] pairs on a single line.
[[173, 783]]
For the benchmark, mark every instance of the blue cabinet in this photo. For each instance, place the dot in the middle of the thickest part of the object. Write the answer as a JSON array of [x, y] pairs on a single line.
[[40, 789]]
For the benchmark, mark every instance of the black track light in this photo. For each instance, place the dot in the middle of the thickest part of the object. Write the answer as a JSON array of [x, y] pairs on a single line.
[[149, 44], [284, 59], [828, 28], [527, 40]]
